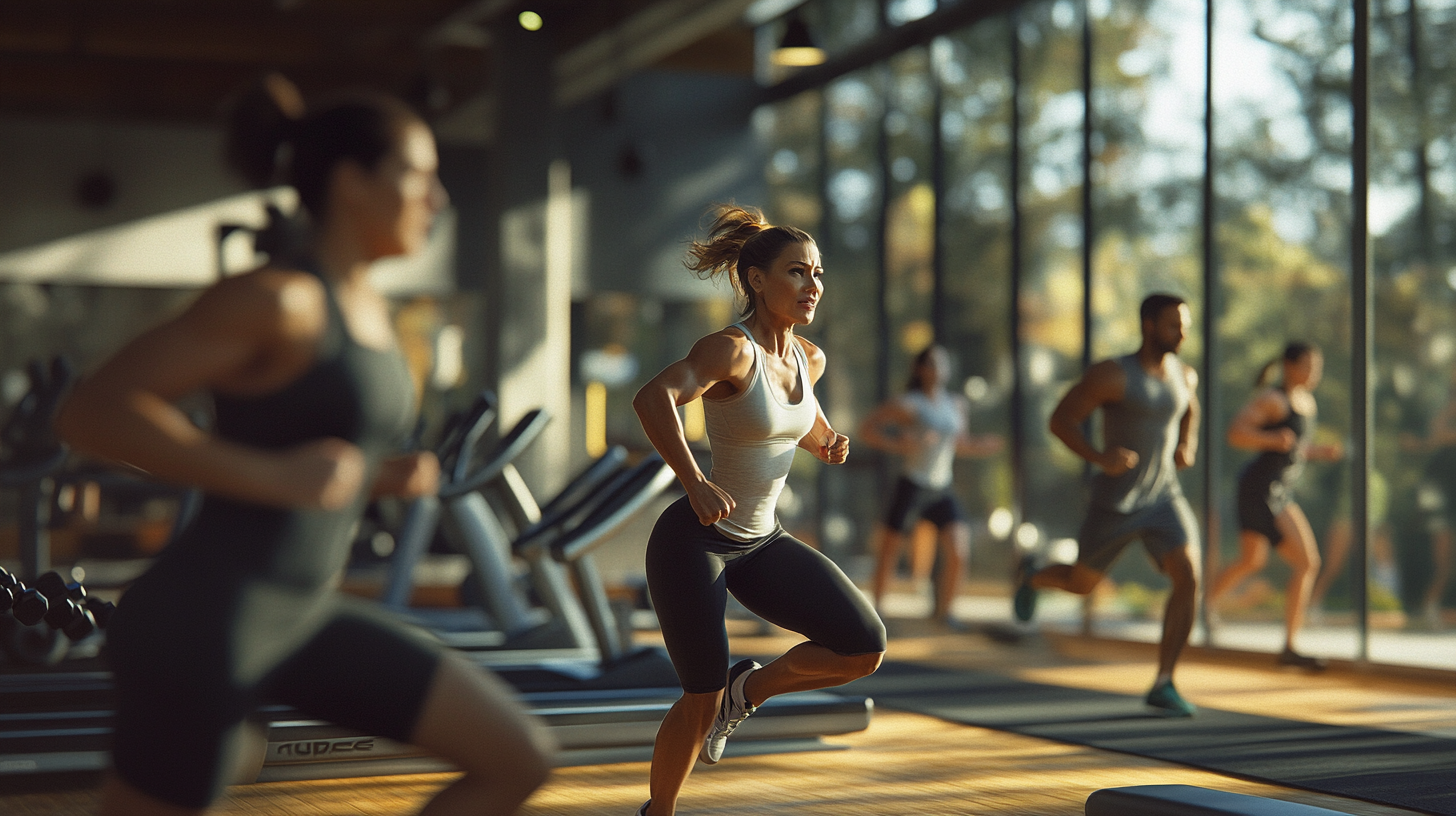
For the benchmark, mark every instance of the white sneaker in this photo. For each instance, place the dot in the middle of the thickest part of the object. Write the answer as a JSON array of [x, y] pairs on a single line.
[[734, 709]]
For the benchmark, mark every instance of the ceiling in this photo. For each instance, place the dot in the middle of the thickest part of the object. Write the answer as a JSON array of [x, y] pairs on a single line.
[[178, 60]]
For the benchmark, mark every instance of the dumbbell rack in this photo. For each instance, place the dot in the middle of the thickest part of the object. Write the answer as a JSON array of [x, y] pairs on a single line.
[[64, 606]]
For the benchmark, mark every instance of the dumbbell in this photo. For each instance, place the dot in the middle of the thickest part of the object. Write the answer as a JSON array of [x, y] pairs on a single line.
[[62, 605], [66, 600], [25, 604]]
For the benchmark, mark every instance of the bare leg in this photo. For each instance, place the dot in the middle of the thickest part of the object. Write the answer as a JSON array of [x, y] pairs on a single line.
[[887, 552], [1178, 613], [1253, 555], [1076, 578], [1337, 552], [955, 551], [1299, 550], [922, 552], [1441, 547], [678, 739], [471, 718], [806, 666]]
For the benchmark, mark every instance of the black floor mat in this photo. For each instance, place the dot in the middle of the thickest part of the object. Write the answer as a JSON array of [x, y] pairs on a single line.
[[1396, 768]]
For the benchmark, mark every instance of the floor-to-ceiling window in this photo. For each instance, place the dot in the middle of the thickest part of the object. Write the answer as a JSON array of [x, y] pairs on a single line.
[[1146, 149], [1413, 249], [1281, 96], [974, 228], [1110, 185]]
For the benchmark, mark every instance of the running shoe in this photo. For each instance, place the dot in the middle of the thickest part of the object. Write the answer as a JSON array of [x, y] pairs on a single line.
[[1166, 701], [1289, 657], [642, 811], [734, 709], [1024, 602]]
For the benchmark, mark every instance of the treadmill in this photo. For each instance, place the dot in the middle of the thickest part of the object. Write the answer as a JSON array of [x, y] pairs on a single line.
[[601, 701]]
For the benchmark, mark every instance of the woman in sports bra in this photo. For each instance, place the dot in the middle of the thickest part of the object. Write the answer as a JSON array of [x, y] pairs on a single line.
[[1279, 424], [313, 400], [756, 380]]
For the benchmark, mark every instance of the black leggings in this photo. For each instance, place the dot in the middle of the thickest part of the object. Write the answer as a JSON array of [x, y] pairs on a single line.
[[692, 568]]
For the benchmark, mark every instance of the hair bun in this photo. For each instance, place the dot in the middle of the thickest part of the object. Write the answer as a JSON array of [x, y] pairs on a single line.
[[260, 120]]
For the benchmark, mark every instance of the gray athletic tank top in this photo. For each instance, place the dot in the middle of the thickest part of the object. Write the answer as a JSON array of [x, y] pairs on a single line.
[[753, 435], [1146, 421], [938, 424]]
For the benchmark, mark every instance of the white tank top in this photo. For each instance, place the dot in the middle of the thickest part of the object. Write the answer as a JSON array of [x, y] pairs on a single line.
[[753, 435], [939, 422]]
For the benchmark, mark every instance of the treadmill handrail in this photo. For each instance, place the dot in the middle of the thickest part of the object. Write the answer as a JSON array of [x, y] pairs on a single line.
[[460, 436], [585, 489], [510, 446], [571, 519], [648, 478], [587, 480]]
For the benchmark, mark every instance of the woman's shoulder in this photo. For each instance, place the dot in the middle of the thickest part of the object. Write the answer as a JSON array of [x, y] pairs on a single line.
[[270, 296], [812, 353], [729, 346]]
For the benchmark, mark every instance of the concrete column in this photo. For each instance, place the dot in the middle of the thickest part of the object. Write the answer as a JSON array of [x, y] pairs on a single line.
[[529, 289]]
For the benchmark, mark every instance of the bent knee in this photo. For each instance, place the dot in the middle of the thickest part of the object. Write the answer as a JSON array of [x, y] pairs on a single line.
[[1083, 580], [862, 665]]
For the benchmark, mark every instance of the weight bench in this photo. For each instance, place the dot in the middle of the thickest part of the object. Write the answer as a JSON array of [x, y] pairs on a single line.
[[1188, 800]]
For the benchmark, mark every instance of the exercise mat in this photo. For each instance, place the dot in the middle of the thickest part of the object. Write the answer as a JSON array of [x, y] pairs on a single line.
[[1403, 769]]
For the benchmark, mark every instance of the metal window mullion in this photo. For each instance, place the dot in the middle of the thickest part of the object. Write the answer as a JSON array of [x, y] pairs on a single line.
[[882, 271], [1362, 315], [1018, 388], [1088, 227], [937, 186], [1211, 441]]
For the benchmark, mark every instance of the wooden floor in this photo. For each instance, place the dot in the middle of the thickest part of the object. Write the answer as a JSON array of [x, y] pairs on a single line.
[[910, 764]]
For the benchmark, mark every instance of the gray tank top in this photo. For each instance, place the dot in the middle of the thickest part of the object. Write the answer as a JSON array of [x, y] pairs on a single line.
[[1146, 421], [753, 435]]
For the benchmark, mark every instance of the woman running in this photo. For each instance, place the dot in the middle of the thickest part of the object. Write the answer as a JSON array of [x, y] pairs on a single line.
[[928, 427], [1279, 423], [756, 379], [312, 398]]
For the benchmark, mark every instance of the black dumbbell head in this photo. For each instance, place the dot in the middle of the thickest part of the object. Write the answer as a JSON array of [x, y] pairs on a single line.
[[30, 607], [51, 585], [62, 611], [80, 626], [7, 599], [100, 610], [7, 580]]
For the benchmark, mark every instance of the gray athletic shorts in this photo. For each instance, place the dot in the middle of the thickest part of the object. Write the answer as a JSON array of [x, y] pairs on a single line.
[[1163, 527]]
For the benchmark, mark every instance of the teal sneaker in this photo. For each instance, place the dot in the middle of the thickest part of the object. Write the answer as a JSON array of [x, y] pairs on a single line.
[[1023, 603], [1165, 701]]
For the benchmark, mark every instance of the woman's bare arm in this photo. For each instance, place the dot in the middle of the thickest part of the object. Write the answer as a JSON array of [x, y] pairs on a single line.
[[1246, 431], [826, 444], [718, 358], [231, 337]]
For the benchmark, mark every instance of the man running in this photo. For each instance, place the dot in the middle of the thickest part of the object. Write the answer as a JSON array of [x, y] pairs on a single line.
[[1150, 422]]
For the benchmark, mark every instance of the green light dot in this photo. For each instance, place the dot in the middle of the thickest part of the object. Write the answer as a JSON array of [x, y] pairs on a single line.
[[530, 20]]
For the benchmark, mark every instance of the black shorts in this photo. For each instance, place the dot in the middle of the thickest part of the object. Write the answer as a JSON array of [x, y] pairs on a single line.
[[194, 662], [913, 502], [692, 568], [1260, 501]]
